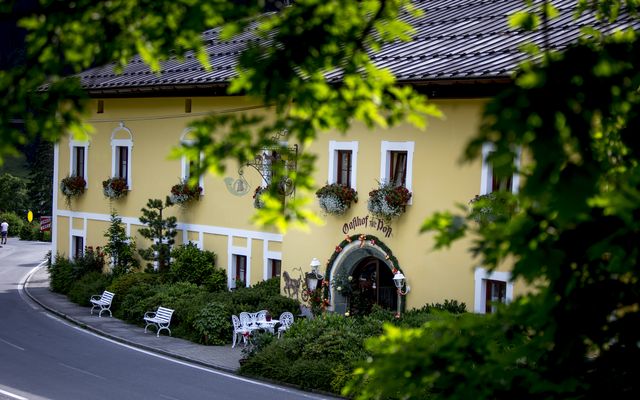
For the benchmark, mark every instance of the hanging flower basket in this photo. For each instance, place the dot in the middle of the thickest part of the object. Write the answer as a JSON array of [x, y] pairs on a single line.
[[388, 202], [336, 199], [257, 201], [184, 193], [72, 186], [115, 188]]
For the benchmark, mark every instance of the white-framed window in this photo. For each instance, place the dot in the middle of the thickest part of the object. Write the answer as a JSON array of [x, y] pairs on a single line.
[[121, 146], [489, 182], [77, 246], [396, 166], [189, 167], [274, 267], [239, 271], [343, 163], [78, 160], [491, 288]]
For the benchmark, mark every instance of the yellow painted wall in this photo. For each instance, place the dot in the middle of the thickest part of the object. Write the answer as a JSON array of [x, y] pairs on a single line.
[[63, 236], [439, 182], [257, 261], [156, 124]]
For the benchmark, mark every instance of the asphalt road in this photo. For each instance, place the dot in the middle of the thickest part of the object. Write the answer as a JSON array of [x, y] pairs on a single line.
[[42, 357]]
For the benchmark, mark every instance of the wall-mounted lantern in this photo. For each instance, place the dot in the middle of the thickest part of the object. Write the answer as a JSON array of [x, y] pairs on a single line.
[[402, 288], [314, 278]]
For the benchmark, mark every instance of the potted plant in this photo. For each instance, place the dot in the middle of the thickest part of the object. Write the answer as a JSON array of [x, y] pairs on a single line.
[[388, 201], [72, 186], [115, 188], [183, 193], [257, 201], [336, 198]]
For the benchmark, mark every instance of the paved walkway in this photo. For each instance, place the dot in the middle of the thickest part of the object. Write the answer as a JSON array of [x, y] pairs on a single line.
[[219, 357]]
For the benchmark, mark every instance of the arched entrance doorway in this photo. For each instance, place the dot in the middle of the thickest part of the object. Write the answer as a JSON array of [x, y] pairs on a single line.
[[372, 284], [366, 265]]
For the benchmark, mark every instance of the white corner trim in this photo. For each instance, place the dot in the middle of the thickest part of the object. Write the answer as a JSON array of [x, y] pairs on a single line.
[[481, 275], [54, 202], [334, 146]]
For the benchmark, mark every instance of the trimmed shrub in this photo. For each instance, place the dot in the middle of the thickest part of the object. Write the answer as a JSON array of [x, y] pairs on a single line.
[[185, 298], [314, 353], [217, 281], [451, 306], [131, 307], [322, 353], [123, 283], [30, 231], [88, 285], [212, 324], [62, 274], [92, 260], [192, 264]]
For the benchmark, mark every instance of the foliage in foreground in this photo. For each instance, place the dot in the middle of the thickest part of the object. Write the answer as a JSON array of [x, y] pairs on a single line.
[[573, 238], [322, 353], [291, 74]]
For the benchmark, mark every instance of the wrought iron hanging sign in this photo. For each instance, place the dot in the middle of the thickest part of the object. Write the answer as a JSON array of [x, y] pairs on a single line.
[[276, 158]]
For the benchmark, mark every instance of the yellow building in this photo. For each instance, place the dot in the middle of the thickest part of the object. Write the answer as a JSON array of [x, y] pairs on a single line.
[[460, 57]]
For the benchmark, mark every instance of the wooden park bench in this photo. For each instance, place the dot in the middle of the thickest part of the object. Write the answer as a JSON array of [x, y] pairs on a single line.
[[160, 319], [103, 302]]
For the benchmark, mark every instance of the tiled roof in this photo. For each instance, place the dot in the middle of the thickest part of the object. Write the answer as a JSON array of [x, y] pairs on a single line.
[[454, 40]]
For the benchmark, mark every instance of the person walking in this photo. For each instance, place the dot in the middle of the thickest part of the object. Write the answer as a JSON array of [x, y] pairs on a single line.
[[4, 231]]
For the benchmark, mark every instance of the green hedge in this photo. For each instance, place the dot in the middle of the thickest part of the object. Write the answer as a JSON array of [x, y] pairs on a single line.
[[322, 353], [15, 222], [201, 315], [92, 283]]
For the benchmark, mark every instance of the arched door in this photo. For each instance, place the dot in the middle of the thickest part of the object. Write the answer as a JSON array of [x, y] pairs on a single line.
[[373, 284]]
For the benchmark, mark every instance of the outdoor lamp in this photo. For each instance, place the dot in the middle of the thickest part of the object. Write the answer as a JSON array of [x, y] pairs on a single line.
[[399, 280], [314, 277]]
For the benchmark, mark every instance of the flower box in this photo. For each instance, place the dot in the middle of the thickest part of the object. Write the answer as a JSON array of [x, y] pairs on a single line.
[[388, 202], [72, 186], [336, 198], [115, 188], [183, 193]]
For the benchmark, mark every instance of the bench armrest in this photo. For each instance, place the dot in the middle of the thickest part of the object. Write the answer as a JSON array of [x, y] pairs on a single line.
[[149, 314], [96, 297]]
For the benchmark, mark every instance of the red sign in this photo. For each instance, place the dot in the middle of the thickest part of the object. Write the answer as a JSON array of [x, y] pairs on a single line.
[[45, 224]]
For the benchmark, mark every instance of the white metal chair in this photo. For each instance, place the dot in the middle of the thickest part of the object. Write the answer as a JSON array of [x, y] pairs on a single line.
[[239, 331], [261, 315], [248, 321], [286, 320]]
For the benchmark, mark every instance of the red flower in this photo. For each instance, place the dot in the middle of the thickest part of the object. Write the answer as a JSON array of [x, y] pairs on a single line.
[[338, 249], [395, 271]]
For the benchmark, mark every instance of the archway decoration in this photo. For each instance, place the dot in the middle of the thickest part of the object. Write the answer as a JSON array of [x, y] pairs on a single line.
[[365, 240]]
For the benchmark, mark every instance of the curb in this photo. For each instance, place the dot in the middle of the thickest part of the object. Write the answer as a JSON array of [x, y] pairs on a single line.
[[99, 332]]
